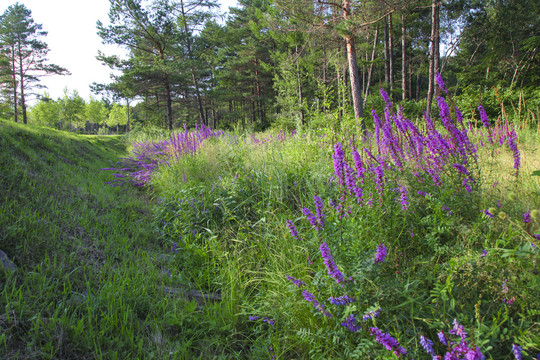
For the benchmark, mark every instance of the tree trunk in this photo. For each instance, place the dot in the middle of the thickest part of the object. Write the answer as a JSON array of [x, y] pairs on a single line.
[[169, 102], [403, 59], [390, 54], [433, 55], [190, 56], [372, 65], [14, 69], [353, 70], [386, 54], [21, 82]]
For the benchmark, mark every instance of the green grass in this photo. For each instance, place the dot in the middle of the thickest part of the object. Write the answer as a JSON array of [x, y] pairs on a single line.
[[89, 280], [95, 262]]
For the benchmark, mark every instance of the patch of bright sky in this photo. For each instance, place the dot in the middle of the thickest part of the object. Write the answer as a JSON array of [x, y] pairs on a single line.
[[74, 43]]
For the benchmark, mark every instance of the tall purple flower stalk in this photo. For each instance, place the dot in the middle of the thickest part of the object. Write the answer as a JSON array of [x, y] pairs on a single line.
[[312, 218], [388, 342], [380, 253], [485, 122], [333, 270], [293, 230], [427, 345], [350, 323], [317, 305]]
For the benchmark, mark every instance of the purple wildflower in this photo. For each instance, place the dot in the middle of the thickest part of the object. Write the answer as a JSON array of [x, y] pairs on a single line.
[[317, 305], [174, 248], [272, 353], [440, 82], [342, 300], [380, 253], [292, 229], [350, 323], [512, 136], [442, 338], [509, 301], [388, 342], [458, 330], [330, 264], [265, 319], [404, 197], [487, 213], [485, 121], [484, 253], [371, 315], [516, 349], [338, 162], [386, 98], [312, 218], [536, 237], [296, 281], [427, 345], [505, 286], [526, 217], [319, 207]]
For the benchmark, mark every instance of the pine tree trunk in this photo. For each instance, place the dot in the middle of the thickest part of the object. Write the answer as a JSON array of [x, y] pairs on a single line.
[[390, 54], [372, 65], [14, 69], [21, 82], [433, 55], [353, 71], [386, 54], [403, 59]]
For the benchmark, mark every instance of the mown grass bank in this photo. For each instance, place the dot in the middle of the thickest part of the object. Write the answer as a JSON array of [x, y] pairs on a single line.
[[88, 283]]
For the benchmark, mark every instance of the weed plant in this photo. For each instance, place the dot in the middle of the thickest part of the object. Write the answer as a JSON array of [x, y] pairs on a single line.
[[404, 238]]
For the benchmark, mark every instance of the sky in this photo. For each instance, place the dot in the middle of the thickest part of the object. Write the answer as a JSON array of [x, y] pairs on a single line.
[[73, 41]]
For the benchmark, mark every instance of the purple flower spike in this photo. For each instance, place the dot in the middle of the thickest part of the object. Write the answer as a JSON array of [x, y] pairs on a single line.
[[427, 345], [388, 342], [526, 217], [342, 300], [517, 351], [319, 207], [442, 338], [458, 330], [440, 82], [312, 218], [484, 253], [295, 281], [350, 323], [380, 254], [488, 214], [292, 229], [330, 264], [404, 197]]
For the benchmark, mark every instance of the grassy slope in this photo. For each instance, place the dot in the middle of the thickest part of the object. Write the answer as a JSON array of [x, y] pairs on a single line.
[[85, 254]]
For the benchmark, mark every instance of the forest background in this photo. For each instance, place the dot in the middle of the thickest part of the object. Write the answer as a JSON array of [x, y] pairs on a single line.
[[284, 64]]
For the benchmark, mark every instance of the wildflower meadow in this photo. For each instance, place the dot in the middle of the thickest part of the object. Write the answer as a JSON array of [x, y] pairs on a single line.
[[416, 239]]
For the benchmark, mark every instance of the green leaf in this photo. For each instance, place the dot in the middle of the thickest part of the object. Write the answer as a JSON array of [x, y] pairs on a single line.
[[536, 173]]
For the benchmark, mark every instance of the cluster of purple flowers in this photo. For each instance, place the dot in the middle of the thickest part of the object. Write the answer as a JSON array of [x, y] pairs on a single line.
[[333, 270], [342, 300], [456, 350], [371, 315], [295, 281], [316, 304], [428, 153], [138, 168], [293, 230], [317, 221], [350, 323], [380, 253], [388, 342], [265, 319]]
